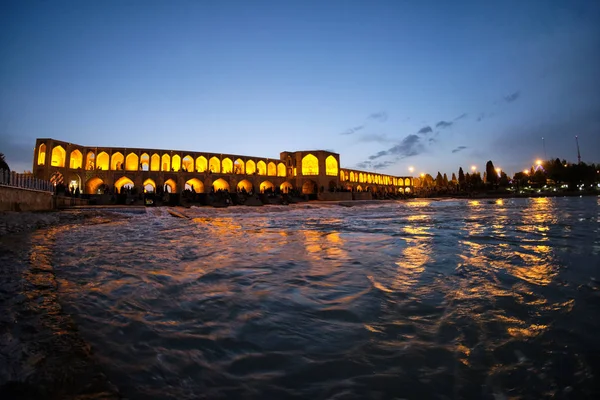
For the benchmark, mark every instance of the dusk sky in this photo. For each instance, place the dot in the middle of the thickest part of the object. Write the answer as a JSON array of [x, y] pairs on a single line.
[[387, 84]]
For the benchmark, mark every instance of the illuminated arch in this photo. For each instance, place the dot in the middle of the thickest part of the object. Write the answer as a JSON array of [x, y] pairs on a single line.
[[214, 165], [196, 184], [187, 164], [145, 162], [165, 162], [407, 182], [351, 176], [155, 162], [123, 182], [90, 161], [176, 163], [42, 154], [407, 190], [238, 166], [266, 185], [102, 161], [246, 185], [170, 186], [271, 169], [400, 182], [93, 186], [220, 184], [250, 167], [310, 165], [116, 161], [309, 187], [132, 162], [58, 156], [360, 177], [331, 166], [76, 159], [261, 166], [201, 164], [341, 176], [149, 186], [227, 165], [359, 188], [281, 169], [369, 178], [285, 187]]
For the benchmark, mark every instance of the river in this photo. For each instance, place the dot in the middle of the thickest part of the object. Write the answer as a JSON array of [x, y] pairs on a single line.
[[419, 299]]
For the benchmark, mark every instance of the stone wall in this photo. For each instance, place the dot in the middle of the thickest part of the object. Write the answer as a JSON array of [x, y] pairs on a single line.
[[362, 196], [335, 196], [65, 202], [19, 199]]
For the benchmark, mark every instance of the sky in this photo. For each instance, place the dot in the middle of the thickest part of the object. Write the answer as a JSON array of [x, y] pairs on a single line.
[[435, 85]]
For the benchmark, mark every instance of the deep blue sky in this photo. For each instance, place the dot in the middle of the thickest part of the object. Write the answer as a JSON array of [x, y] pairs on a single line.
[[430, 84]]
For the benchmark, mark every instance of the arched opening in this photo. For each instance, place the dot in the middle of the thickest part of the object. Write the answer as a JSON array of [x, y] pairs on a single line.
[[285, 187], [201, 164], [245, 186], [331, 166], [195, 185], [271, 169], [250, 167], [352, 177], [407, 182], [166, 162], [407, 190], [58, 156], [214, 165], [155, 162], [187, 164], [400, 182], [102, 161], [116, 161], [281, 169], [74, 182], [238, 166], [341, 176], [76, 159], [145, 162], [170, 186], [149, 186], [361, 177], [309, 187], [132, 162], [94, 185], [227, 166], [220, 184], [261, 166], [310, 166], [176, 163], [123, 183], [359, 188], [42, 154], [90, 161], [266, 186]]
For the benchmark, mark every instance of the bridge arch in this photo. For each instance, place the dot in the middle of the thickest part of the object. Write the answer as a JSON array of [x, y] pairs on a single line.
[[246, 185], [145, 162], [266, 186], [309, 187], [271, 169], [132, 162], [116, 161], [195, 185], [76, 159], [42, 154], [250, 167], [170, 186], [90, 161], [310, 165], [155, 162], [220, 184], [285, 187], [187, 164], [227, 165], [281, 171], [261, 166], [123, 182], [331, 166], [149, 186], [166, 162], [214, 165], [58, 156], [176, 163], [102, 161], [201, 164], [94, 185], [238, 166]]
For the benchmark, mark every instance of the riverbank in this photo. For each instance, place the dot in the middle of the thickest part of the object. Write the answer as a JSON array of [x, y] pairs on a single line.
[[42, 355]]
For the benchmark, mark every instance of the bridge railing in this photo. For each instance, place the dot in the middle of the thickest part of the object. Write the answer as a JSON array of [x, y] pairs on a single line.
[[24, 181]]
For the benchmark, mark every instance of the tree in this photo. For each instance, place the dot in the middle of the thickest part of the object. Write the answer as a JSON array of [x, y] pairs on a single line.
[[454, 180], [445, 180], [491, 174], [503, 181], [461, 179], [3, 163], [439, 180]]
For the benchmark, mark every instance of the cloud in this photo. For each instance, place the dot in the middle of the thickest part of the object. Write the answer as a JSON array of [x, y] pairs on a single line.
[[480, 117], [461, 116], [364, 165], [381, 116], [409, 146], [459, 148], [443, 124], [512, 97], [379, 154], [374, 137], [353, 130], [382, 164], [425, 129]]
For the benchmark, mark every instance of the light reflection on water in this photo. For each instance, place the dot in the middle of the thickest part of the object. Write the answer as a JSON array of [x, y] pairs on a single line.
[[432, 299]]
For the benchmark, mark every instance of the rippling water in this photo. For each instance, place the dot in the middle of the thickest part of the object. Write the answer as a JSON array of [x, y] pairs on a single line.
[[420, 299]]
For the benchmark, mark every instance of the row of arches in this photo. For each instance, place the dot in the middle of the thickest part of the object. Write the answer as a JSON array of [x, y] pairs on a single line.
[[96, 184], [365, 177], [155, 162]]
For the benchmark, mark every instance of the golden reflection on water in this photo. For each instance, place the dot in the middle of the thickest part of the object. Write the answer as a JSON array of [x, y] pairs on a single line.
[[323, 245], [415, 255]]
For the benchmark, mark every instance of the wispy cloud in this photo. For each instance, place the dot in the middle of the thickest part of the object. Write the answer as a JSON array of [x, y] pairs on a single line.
[[424, 130], [409, 146], [443, 124], [374, 137], [353, 130], [459, 148], [381, 116], [480, 117], [512, 97], [382, 164], [461, 116]]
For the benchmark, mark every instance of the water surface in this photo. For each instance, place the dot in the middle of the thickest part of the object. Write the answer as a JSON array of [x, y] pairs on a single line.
[[420, 299]]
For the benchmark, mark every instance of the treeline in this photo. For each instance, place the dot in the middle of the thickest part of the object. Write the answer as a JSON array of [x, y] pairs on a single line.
[[551, 173]]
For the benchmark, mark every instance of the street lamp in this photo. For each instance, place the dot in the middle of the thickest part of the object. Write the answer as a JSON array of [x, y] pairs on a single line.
[[473, 168], [498, 170], [538, 162], [526, 171], [411, 169]]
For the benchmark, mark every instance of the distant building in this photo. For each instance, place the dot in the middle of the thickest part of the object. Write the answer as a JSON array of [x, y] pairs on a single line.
[[91, 169]]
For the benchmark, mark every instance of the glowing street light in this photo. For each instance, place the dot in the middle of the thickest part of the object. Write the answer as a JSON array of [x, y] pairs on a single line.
[[526, 171], [498, 170], [411, 169], [538, 162], [473, 168], [422, 175]]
